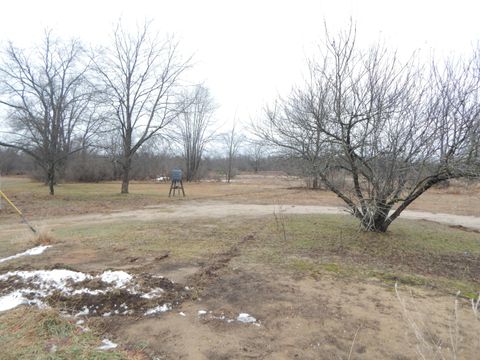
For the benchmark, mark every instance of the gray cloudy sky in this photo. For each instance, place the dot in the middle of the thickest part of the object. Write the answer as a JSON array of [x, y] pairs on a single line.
[[247, 51]]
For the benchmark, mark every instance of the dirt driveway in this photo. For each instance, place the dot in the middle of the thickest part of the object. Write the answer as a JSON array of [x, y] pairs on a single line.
[[220, 209]]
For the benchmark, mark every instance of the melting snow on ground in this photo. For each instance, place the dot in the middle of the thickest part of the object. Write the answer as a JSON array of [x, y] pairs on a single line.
[[242, 317], [46, 282], [48, 279], [33, 287], [246, 318], [158, 309], [33, 251], [118, 278], [17, 298], [107, 345], [153, 294]]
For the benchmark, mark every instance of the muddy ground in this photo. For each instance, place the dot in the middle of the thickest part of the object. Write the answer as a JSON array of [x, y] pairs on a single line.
[[297, 317]]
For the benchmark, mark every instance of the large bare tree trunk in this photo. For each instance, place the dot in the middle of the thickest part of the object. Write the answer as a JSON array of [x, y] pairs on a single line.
[[126, 175], [51, 179]]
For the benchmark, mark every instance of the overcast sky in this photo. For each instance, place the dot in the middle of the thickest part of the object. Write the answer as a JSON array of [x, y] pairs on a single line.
[[248, 51]]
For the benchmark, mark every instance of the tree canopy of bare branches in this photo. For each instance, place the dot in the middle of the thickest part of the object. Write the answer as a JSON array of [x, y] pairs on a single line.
[[193, 129], [140, 74], [393, 128], [48, 102]]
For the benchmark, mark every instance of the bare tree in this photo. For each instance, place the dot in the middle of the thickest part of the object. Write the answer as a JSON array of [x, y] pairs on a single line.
[[48, 102], [255, 153], [193, 128], [141, 78], [233, 140], [395, 129]]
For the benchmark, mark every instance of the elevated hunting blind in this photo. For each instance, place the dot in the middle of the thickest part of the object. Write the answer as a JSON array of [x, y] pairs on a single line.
[[177, 182]]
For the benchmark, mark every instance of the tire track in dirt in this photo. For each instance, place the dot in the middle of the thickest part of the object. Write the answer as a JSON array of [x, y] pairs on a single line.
[[218, 262]]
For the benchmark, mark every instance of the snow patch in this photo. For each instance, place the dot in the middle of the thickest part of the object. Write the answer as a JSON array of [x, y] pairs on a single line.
[[157, 292], [33, 287], [16, 298], [82, 312], [246, 318], [12, 300], [158, 309], [120, 278], [46, 279], [33, 251], [242, 317], [87, 291], [107, 345]]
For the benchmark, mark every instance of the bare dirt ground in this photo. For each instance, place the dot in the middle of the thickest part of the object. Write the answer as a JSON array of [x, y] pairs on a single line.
[[299, 318], [220, 209], [298, 315]]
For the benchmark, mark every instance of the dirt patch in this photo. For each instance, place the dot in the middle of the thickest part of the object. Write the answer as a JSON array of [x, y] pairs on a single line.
[[299, 318], [463, 228], [214, 266], [150, 293]]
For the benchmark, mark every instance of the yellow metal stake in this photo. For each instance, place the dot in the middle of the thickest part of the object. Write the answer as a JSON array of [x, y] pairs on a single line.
[[18, 211]]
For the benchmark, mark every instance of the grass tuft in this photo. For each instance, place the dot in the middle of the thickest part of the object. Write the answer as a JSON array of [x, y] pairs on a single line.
[[43, 238]]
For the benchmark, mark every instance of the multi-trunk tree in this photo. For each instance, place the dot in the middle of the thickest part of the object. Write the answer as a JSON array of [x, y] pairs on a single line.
[[395, 129], [47, 102]]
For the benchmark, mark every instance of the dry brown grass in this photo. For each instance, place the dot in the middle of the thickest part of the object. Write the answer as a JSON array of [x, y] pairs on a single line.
[[43, 237], [81, 198]]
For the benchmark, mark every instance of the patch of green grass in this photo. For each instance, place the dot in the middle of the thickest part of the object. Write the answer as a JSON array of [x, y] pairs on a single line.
[[412, 252], [312, 267], [405, 279], [331, 267], [28, 333], [333, 231], [184, 239], [54, 326]]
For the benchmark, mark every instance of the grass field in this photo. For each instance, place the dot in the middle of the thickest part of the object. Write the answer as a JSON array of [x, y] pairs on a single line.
[[315, 282], [78, 198]]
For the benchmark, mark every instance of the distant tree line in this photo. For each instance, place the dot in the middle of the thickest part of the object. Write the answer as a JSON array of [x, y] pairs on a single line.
[[93, 166]]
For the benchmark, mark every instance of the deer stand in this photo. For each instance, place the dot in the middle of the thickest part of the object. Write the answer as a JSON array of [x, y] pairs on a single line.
[[176, 185]]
